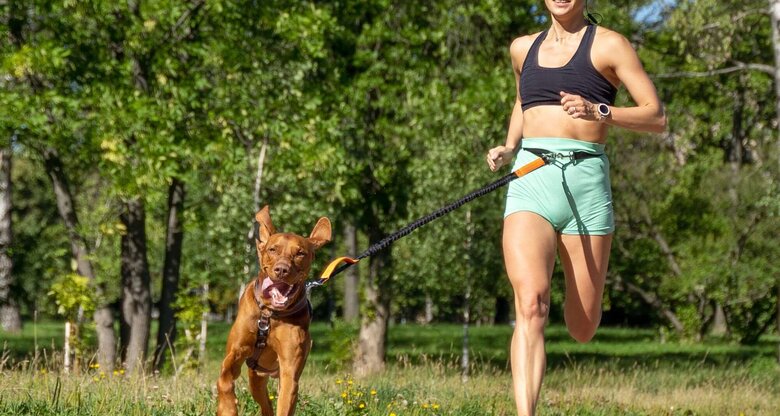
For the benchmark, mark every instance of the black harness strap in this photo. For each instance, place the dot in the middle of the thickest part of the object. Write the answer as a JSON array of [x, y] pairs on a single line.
[[263, 327], [546, 154]]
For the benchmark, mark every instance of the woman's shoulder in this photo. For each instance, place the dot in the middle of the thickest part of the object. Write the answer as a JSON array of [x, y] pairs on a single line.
[[521, 44], [610, 48], [609, 39]]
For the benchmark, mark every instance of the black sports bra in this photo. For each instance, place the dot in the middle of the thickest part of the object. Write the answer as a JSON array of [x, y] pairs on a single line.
[[542, 86]]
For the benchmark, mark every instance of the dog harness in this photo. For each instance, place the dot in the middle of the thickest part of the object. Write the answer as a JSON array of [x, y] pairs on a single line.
[[264, 323]]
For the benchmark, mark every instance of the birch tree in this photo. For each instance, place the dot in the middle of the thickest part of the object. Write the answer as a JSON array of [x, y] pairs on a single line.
[[10, 319]]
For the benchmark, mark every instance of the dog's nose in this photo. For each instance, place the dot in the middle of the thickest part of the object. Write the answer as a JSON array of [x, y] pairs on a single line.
[[281, 270]]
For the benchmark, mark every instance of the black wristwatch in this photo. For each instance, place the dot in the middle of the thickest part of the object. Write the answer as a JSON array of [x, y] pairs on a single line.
[[603, 111]]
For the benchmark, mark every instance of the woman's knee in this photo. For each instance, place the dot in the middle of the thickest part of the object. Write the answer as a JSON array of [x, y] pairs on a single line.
[[583, 329], [532, 308]]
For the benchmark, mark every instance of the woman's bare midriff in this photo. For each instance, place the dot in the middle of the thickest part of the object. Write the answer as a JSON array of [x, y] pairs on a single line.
[[552, 121]]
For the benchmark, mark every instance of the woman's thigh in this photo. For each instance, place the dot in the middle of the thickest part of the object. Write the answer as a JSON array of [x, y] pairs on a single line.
[[584, 259], [529, 243]]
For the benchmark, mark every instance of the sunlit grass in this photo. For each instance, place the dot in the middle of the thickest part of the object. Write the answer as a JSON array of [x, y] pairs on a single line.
[[623, 372]]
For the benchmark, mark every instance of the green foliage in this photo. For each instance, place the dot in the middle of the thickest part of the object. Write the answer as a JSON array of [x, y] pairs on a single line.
[[375, 113], [190, 308], [72, 294], [340, 341]]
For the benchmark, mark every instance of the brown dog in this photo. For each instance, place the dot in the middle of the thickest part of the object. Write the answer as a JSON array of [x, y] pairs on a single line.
[[271, 331]]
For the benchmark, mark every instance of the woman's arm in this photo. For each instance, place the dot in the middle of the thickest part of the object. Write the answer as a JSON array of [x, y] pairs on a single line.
[[648, 114], [502, 155], [613, 51]]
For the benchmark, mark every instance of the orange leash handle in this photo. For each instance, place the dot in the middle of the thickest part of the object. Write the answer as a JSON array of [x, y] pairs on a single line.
[[530, 167], [331, 270]]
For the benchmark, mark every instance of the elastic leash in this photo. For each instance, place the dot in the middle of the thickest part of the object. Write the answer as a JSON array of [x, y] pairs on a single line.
[[335, 266]]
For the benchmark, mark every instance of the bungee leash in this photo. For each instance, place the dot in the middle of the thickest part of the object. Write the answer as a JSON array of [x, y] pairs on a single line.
[[335, 266]]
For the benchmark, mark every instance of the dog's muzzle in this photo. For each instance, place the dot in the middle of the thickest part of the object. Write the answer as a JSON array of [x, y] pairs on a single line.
[[278, 292]]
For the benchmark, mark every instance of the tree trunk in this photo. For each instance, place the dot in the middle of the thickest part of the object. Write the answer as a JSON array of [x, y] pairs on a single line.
[[428, 317], [10, 319], [464, 358], [66, 353], [775, 14], [370, 356], [351, 277], [719, 326], [249, 247], [174, 237], [778, 322], [502, 310], [774, 6], [103, 317], [204, 326], [136, 293]]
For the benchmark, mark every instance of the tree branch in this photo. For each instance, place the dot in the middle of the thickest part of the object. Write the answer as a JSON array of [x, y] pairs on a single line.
[[739, 66], [666, 249], [190, 12]]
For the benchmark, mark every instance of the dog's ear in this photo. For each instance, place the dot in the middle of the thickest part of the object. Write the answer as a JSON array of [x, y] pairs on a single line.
[[265, 227], [320, 235]]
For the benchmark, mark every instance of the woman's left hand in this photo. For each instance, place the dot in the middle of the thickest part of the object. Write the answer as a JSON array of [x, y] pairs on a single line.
[[578, 107]]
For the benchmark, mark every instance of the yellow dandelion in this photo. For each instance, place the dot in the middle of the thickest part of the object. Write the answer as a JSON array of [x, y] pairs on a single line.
[[435, 406], [373, 392], [338, 381], [95, 379], [122, 371], [349, 382], [271, 396], [425, 405], [361, 405], [116, 372], [392, 414], [343, 394]]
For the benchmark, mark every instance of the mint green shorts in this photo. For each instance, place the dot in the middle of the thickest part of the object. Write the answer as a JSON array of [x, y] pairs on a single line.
[[574, 196]]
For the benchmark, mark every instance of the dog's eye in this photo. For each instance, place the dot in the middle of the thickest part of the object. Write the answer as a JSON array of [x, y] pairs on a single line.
[[272, 249], [300, 254]]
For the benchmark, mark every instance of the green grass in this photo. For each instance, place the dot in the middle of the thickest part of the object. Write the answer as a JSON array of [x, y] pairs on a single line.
[[621, 372]]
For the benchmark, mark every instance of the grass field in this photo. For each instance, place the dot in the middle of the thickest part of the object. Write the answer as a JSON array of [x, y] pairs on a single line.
[[621, 372]]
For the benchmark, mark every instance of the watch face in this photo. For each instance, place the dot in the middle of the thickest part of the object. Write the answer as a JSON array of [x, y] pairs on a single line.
[[603, 110]]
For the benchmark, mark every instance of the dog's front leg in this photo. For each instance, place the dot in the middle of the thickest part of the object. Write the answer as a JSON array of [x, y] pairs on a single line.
[[226, 395], [258, 385], [292, 359]]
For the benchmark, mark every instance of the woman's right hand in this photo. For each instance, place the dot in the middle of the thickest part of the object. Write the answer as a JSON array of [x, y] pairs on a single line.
[[499, 156]]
